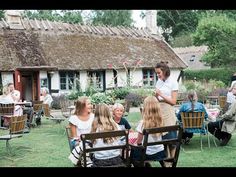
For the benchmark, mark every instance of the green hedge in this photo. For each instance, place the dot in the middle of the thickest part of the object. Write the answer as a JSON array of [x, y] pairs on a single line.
[[221, 74]]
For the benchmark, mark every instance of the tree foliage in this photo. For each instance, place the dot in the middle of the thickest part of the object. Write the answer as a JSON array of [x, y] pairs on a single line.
[[68, 16], [177, 22], [210, 74], [218, 33], [2, 14], [112, 17]]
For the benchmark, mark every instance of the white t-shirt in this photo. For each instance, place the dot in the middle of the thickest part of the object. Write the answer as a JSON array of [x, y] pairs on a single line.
[[16, 94], [108, 153], [47, 100], [151, 138], [82, 126], [230, 97], [6, 99], [167, 87]]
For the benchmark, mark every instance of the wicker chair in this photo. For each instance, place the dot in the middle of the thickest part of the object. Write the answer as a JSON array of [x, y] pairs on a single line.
[[16, 130], [6, 112]]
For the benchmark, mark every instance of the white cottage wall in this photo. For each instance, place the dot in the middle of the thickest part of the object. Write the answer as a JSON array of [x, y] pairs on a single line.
[[7, 77], [110, 82]]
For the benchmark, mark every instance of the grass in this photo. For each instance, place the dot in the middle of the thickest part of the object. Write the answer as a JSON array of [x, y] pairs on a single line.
[[47, 146]]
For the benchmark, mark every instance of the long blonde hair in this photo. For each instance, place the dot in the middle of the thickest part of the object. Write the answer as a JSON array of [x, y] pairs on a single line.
[[151, 113], [103, 121]]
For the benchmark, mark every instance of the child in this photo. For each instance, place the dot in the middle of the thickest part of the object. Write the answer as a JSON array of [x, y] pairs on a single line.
[[80, 122], [118, 111], [104, 122], [151, 118]]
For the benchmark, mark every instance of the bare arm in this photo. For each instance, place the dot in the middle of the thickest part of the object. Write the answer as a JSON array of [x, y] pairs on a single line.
[[171, 100], [73, 131], [140, 138]]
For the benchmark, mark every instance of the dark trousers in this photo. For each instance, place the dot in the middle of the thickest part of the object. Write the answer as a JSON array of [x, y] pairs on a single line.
[[187, 135], [29, 111], [215, 129], [136, 154]]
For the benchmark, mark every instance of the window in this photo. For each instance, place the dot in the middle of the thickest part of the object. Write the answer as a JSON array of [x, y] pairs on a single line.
[[69, 80], [96, 79], [149, 77], [44, 82], [192, 58]]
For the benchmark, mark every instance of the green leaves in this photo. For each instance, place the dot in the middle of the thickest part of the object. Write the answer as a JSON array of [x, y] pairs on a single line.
[[112, 17], [218, 33], [68, 16]]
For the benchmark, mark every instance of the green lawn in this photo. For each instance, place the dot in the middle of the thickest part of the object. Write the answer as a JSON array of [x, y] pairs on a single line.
[[47, 146]]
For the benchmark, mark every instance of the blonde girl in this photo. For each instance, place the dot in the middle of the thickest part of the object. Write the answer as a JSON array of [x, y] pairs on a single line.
[[151, 118], [104, 122]]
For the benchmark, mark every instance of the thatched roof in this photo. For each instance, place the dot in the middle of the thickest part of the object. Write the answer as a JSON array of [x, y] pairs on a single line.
[[80, 47], [187, 53]]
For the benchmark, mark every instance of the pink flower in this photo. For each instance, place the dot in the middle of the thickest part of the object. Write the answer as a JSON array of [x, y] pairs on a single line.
[[110, 66]]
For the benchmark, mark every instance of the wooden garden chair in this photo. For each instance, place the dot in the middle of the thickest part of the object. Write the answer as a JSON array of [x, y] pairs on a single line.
[[196, 121], [16, 130], [175, 141], [93, 136], [69, 137], [6, 112]]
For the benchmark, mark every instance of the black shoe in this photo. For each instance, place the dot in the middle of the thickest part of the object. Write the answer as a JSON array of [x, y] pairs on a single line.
[[147, 164], [225, 141]]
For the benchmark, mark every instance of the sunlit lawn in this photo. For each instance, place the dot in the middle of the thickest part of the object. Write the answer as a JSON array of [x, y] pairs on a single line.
[[47, 146]]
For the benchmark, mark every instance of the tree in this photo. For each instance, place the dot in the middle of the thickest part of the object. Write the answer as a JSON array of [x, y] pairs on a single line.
[[2, 14], [112, 17], [67, 16], [218, 33], [177, 22]]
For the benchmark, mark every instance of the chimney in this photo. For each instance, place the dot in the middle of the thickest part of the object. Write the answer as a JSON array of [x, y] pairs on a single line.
[[151, 21], [13, 18]]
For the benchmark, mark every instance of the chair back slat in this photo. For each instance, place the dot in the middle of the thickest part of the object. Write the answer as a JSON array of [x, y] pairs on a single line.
[[17, 124], [173, 141], [37, 105], [46, 110], [222, 101], [192, 119], [7, 109], [112, 134]]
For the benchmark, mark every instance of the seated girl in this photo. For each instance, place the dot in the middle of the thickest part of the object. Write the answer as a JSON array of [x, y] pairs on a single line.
[[151, 118], [104, 122], [80, 122]]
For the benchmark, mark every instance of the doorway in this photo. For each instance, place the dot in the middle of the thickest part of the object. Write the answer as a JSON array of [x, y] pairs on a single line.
[[30, 86]]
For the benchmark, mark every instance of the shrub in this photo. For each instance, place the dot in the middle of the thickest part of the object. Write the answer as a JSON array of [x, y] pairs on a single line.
[[120, 93], [144, 92], [134, 99], [56, 101], [101, 98], [74, 94], [90, 90]]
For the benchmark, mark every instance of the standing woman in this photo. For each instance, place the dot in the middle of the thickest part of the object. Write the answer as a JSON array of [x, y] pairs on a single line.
[[166, 92]]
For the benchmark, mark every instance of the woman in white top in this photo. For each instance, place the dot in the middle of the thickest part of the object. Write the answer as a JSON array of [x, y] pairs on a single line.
[[81, 121], [46, 97], [167, 92], [151, 118], [104, 122]]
